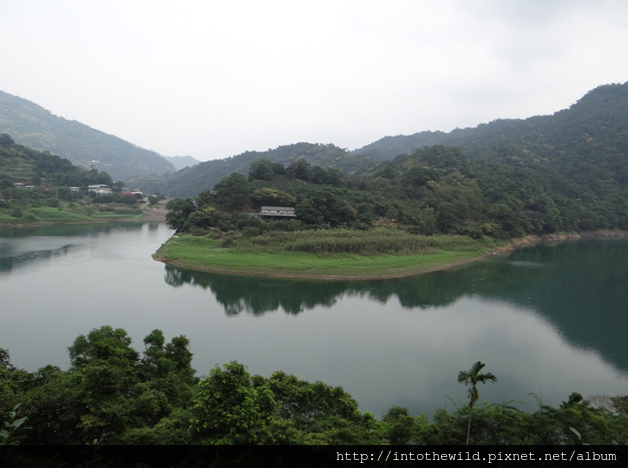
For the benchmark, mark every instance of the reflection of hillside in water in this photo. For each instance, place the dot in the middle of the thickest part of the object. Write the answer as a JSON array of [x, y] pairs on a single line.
[[74, 230], [26, 247], [9, 263], [259, 295], [579, 287], [11, 260]]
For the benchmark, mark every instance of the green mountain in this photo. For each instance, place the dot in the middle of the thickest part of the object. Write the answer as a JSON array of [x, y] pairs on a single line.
[[433, 190], [21, 164], [594, 126], [31, 125], [193, 180], [180, 162]]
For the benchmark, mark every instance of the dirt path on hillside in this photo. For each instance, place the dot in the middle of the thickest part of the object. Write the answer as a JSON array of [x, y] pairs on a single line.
[[155, 213]]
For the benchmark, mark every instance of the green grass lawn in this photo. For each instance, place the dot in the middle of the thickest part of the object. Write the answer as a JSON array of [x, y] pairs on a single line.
[[54, 215], [109, 214], [206, 254], [48, 214]]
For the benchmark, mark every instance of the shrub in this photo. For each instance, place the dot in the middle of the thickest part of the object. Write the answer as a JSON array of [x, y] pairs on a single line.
[[124, 210], [228, 241], [249, 232], [288, 226], [225, 226], [16, 213], [197, 231]]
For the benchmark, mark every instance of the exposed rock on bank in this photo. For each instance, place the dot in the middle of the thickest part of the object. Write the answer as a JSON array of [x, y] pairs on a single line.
[[536, 238]]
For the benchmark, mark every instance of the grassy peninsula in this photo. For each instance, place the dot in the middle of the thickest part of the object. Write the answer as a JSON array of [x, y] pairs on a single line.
[[507, 179], [328, 254]]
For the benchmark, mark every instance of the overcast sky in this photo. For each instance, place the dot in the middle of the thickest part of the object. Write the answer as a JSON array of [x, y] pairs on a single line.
[[212, 79]]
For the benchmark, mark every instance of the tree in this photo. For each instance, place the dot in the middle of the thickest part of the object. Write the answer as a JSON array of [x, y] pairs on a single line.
[[272, 197], [178, 212], [233, 191], [110, 394], [314, 413], [473, 377], [299, 169], [207, 217], [399, 427], [262, 169], [6, 140], [228, 410], [324, 207]]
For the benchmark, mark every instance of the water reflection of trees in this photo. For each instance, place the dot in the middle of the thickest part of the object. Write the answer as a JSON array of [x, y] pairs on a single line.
[[73, 230], [9, 263], [577, 286], [23, 247], [258, 295]]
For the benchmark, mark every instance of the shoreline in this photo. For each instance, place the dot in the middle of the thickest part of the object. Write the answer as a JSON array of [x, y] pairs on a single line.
[[323, 277], [63, 223], [506, 249], [150, 214], [532, 239]]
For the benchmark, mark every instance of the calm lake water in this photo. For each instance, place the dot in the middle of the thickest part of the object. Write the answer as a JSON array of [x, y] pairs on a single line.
[[547, 319]]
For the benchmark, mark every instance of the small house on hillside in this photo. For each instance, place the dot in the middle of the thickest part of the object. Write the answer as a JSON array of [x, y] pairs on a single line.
[[100, 189], [277, 213]]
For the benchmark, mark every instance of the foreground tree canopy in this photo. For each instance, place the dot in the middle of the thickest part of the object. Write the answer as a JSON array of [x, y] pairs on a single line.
[[112, 394]]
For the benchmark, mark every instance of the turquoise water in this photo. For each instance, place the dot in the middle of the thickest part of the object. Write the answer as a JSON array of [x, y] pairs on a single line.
[[546, 319]]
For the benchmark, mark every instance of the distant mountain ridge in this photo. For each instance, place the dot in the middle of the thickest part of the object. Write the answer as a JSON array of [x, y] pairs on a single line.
[[601, 114], [191, 181], [31, 125]]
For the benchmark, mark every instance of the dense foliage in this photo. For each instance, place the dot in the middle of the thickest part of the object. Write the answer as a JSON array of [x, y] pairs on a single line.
[[25, 165], [34, 126], [51, 199], [112, 395], [430, 191], [592, 127]]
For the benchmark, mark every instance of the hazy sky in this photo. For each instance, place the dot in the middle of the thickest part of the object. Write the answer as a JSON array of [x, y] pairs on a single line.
[[215, 78]]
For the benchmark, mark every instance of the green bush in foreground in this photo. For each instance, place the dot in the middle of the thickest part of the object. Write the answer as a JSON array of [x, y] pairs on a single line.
[[114, 395]]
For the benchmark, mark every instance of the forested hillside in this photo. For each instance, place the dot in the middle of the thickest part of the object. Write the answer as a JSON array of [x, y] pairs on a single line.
[[193, 180], [33, 126], [430, 191], [593, 127], [21, 164]]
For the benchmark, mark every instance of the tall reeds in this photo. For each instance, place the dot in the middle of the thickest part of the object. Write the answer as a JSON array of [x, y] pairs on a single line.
[[348, 241]]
